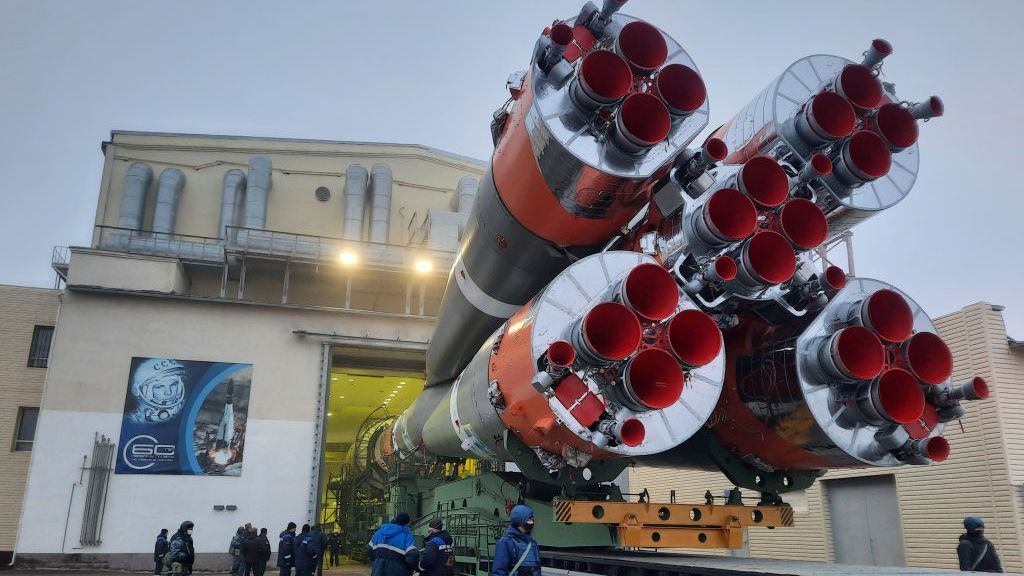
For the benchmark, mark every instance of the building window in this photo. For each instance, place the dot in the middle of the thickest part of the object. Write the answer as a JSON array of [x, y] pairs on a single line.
[[25, 433], [39, 352]]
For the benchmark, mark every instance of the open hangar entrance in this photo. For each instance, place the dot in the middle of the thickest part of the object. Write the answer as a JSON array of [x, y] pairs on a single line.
[[366, 389]]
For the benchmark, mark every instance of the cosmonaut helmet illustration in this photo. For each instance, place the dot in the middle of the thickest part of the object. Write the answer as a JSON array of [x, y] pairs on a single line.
[[158, 385]]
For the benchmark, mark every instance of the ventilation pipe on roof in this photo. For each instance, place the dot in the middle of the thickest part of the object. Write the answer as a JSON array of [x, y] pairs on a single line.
[[133, 202], [257, 189], [231, 203], [462, 202], [168, 193], [355, 198], [380, 198]]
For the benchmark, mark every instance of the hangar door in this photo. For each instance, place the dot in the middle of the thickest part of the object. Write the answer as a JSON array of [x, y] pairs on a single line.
[[866, 524]]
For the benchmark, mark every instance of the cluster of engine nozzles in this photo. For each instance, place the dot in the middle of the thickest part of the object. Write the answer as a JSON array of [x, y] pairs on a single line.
[[862, 127], [640, 346], [632, 84], [896, 372], [755, 226]]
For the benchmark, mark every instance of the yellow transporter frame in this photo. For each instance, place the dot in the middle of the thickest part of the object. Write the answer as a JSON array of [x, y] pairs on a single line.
[[654, 525]]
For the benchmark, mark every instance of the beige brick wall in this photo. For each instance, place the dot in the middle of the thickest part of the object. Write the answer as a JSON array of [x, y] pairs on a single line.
[[982, 476], [21, 309]]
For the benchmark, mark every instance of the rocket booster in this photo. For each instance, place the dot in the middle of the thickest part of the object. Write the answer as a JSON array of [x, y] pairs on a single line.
[[606, 104]]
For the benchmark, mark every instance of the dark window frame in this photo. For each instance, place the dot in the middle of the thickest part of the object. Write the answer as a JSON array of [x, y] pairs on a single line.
[[39, 349], [25, 442]]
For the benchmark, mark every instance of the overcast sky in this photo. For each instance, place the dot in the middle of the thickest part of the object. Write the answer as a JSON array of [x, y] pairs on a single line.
[[431, 72]]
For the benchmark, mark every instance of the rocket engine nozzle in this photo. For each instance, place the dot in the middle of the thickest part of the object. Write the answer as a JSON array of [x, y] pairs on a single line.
[[864, 157], [650, 291], [928, 358], [763, 179], [935, 448], [930, 108], [694, 338], [834, 278], [819, 165], [853, 353], [974, 389], [887, 314], [642, 45], [803, 223], [896, 125], [728, 216], [603, 79], [877, 52], [826, 117], [859, 84], [561, 354], [894, 397], [642, 122], [681, 89], [607, 333], [765, 260], [652, 380]]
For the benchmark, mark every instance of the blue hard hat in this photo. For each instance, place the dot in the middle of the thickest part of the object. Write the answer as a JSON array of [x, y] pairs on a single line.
[[973, 523]]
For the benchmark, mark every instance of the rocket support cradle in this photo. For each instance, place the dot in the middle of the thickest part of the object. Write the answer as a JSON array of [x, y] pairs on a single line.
[[621, 298]]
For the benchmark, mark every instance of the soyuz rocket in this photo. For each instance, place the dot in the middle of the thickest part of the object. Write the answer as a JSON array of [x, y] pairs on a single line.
[[621, 295]]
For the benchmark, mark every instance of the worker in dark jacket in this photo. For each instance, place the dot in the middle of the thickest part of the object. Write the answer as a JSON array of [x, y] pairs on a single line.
[[159, 551], [437, 559], [321, 544], [306, 553], [975, 551], [235, 550], [393, 548], [334, 547], [251, 553], [182, 553], [286, 550], [517, 553], [265, 552]]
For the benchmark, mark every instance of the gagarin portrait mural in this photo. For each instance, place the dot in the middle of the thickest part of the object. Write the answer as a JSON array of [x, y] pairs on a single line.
[[184, 417]]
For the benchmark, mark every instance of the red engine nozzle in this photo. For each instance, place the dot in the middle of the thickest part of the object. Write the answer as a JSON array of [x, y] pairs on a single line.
[[681, 89], [763, 179], [803, 223], [894, 397], [853, 353], [877, 52], [858, 84], [725, 268], [896, 125], [561, 34], [928, 358], [603, 79], [835, 278], [694, 338], [610, 332], [765, 260], [862, 158], [650, 291], [974, 389], [561, 354], [819, 165], [642, 45], [632, 432], [825, 118], [653, 380], [930, 108], [935, 448], [642, 122], [728, 216], [887, 313]]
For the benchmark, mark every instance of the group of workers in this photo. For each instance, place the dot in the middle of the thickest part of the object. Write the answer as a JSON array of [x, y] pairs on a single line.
[[394, 552]]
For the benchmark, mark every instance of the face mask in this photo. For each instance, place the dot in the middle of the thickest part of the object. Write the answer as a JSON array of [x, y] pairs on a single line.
[[189, 532], [528, 526]]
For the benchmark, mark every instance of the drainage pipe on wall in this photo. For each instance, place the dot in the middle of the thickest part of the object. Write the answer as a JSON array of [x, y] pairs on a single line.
[[168, 194], [355, 199], [133, 201], [380, 213], [257, 190], [231, 203]]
